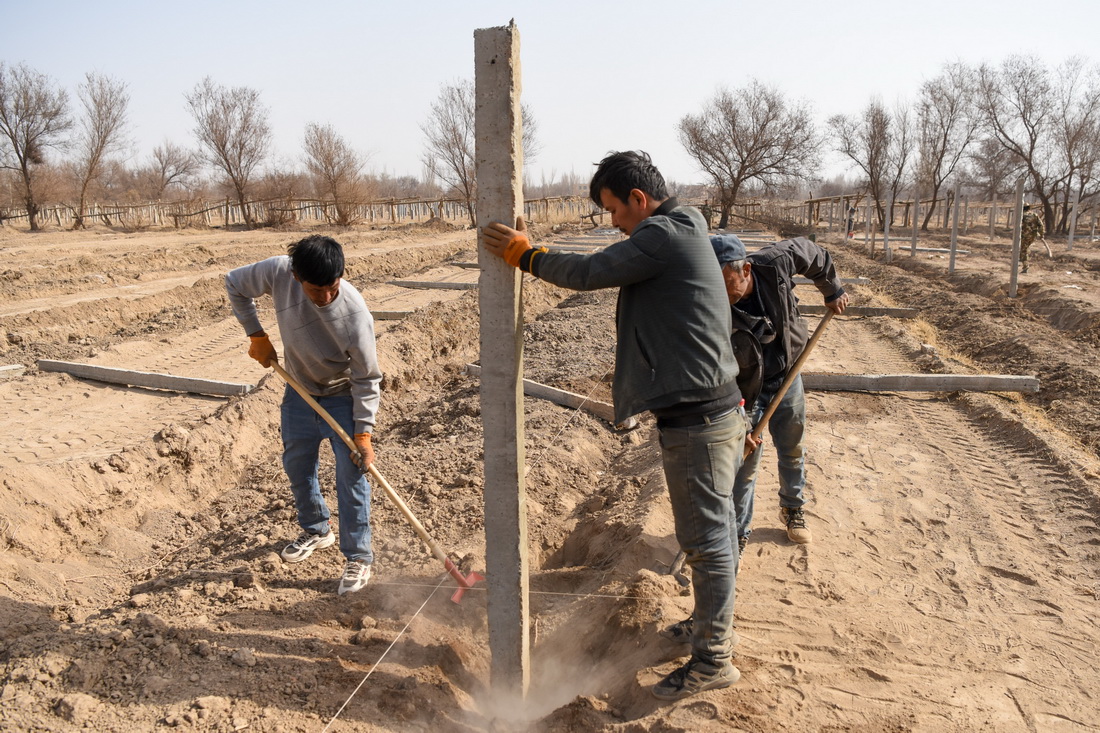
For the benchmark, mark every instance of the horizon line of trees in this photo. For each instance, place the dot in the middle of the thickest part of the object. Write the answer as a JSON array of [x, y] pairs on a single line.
[[980, 127]]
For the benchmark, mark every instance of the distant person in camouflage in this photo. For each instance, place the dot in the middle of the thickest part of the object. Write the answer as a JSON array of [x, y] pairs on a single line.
[[1031, 228]]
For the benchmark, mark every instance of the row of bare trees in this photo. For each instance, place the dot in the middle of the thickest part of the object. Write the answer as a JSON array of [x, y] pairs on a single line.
[[234, 139], [982, 127]]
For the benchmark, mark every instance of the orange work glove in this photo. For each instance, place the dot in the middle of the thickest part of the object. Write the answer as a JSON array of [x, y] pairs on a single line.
[[506, 242], [365, 457], [261, 349]]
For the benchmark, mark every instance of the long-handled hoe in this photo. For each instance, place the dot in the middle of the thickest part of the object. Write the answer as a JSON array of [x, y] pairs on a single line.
[[677, 566], [464, 583]]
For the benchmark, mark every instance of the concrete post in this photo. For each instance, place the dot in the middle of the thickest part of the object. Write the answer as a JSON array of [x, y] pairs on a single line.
[[888, 254], [966, 214], [499, 159], [1016, 237], [916, 221], [1073, 220], [954, 233], [867, 229], [992, 217]]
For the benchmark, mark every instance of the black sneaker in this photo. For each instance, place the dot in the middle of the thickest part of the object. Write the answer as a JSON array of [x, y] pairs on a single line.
[[695, 676], [680, 632]]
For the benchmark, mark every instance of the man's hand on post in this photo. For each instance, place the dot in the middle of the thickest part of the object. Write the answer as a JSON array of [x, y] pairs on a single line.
[[261, 349], [838, 305], [365, 457], [506, 242]]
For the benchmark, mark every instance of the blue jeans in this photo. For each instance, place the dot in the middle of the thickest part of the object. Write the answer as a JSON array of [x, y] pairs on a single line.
[[303, 430], [700, 463], [787, 427]]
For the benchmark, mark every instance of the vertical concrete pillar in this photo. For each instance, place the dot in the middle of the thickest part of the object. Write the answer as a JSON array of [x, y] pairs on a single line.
[[498, 153], [954, 232], [1016, 237], [867, 228], [992, 217], [1073, 220], [916, 222], [888, 254]]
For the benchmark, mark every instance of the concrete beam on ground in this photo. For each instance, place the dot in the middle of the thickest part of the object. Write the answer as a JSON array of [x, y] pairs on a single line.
[[920, 382], [843, 280], [807, 309], [433, 285], [466, 265], [562, 397], [150, 380], [10, 371], [498, 156], [391, 315]]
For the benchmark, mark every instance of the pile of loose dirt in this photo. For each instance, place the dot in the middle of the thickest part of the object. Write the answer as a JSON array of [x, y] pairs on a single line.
[[951, 583]]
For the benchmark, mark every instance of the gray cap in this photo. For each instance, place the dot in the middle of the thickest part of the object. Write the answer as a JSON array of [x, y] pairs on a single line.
[[728, 248]]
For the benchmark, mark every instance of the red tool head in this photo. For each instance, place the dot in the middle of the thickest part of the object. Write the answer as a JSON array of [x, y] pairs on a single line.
[[464, 583]]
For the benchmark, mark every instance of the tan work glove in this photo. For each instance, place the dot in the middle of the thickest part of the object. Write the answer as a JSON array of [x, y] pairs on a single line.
[[365, 457], [261, 349]]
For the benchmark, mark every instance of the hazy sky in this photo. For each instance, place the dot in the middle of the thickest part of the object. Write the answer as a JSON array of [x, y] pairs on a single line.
[[598, 76]]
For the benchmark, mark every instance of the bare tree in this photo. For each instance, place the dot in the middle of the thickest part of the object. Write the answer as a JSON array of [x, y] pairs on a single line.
[[449, 140], [751, 134], [231, 126], [1017, 102], [101, 129], [34, 116], [948, 123], [169, 165], [880, 143], [335, 167], [1077, 132], [991, 166]]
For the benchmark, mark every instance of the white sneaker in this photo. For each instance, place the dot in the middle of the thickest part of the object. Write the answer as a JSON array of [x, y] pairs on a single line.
[[356, 575], [306, 543]]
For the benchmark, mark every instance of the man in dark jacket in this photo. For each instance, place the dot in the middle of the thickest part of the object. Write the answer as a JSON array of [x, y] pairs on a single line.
[[673, 357], [760, 287]]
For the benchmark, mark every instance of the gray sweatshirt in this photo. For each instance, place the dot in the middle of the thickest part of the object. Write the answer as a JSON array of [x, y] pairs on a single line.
[[329, 350]]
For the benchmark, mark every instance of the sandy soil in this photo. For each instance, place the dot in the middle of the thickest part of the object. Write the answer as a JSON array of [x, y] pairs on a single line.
[[952, 584]]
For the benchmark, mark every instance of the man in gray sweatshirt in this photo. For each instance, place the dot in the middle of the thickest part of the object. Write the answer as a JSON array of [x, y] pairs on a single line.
[[328, 340], [673, 357]]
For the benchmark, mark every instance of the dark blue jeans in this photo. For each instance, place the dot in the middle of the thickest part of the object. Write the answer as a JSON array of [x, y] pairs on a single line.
[[700, 463], [303, 430], [787, 428]]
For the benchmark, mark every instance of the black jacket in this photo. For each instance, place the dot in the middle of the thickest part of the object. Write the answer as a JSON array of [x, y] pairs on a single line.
[[774, 268]]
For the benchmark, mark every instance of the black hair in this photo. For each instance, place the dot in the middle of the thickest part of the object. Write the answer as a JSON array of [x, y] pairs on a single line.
[[1027, 207], [317, 260], [622, 172]]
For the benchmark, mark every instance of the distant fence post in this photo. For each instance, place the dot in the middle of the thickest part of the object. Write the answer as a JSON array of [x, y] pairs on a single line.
[[992, 216], [1073, 220], [1016, 237], [916, 222], [887, 254], [954, 233]]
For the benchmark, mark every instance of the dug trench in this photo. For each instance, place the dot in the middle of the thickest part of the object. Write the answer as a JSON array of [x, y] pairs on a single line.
[[153, 595]]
